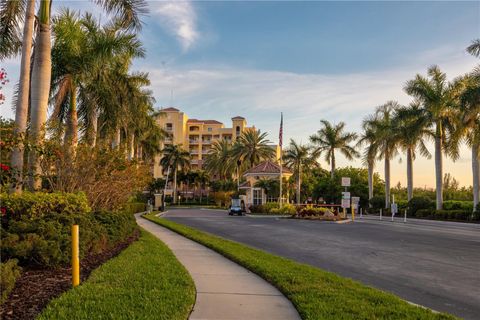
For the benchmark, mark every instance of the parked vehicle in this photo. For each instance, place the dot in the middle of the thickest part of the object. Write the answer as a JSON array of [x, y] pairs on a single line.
[[237, 207]]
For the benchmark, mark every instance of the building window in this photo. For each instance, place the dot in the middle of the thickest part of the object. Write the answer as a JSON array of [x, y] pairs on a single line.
[[257, 197], [169, 127], [238, 130], [209, 129]]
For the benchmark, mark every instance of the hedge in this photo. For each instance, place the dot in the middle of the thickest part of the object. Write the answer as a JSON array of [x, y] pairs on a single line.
[[457, 215], [37, 204], [9, 272]]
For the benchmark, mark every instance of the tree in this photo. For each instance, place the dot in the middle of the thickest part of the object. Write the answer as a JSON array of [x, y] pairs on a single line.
[[219, 160], [21, 108], [175, 157], [298, 157], [410, 128], [469, 118], [386, 142], [251, 148], [369, 138], [333, 137], [436, 96]]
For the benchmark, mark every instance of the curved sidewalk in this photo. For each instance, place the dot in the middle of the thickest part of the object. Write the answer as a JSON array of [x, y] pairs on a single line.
[[225, 290]]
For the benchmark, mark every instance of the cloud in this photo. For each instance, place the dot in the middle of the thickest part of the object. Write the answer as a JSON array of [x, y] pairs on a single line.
[[180, 19]]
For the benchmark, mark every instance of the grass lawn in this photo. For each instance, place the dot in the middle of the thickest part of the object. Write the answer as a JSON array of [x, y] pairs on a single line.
[[145, 281], [316, 294]]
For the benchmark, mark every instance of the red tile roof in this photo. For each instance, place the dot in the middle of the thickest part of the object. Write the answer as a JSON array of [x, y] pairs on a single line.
[[267, 167], [238, 117], [170, 109], [203, 121], [245, 185]]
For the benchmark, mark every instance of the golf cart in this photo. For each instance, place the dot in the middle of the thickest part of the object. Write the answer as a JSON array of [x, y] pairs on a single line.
[[237, 207]]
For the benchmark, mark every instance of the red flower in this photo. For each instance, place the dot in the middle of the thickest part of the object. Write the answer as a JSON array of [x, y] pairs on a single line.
[[4, 167], [3, 210]]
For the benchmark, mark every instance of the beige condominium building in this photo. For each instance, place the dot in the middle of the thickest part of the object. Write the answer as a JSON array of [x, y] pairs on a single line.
[[196, 135]]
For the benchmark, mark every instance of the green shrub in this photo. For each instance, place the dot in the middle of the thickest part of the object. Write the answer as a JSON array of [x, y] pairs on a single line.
[[377, 202], [461, 215], [135, 207], [314, 212], [288, 208], [38, 204], [46, 241], [9, 273], [458, 205], [419, 203], [476, 213]]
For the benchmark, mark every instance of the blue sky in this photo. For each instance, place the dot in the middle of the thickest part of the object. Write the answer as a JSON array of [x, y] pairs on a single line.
[[310, 60]]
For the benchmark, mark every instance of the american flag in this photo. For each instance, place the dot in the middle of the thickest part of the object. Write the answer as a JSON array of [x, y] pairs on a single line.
[[280, 134]]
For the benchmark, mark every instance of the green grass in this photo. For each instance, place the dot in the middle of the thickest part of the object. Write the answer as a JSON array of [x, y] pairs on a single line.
[[316, 294], [145, 281]]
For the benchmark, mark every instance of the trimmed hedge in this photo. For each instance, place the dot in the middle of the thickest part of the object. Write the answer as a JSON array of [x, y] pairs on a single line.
[[273, 208], [9, 273], [135, 207], [455, 215], [419, 203], [37, 204], [458, 205]]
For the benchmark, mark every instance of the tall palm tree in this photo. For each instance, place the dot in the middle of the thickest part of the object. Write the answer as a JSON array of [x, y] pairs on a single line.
[[40, 89], [369, 138], [410, 129], [437, 97], [299, 157], [251, 148], [219, 160], [128, 11], [386, 142], [175, 157], [21, 108], [81, 50], [469, 118], [333, 137]]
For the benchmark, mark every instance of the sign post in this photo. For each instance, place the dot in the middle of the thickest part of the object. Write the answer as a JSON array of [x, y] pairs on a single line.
[[345, 195]]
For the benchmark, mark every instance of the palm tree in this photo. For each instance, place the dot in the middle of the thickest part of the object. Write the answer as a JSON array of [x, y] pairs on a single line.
[[386, 142], [369, 138], [331, 137], [40, 89], [299, 157], [437, 98], [410, 129], [81, 50], [128, 11], [469, 118], [219, 160], [474, 48], [175, 157], [251, 148], [21, 109]]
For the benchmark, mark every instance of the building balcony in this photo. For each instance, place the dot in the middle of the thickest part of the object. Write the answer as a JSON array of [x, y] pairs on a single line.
[[193, 151], [206, 141], [194, 141]]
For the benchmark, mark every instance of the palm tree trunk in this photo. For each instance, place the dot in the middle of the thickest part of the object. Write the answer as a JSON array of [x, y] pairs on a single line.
[[71, 133], [387, 181], [439, 168], [409, 174], [23, 95], [370, 181], [476, 174], [116, 139], [131, 149], [92, 132], [299, 185], [175, 186], [40, 90], [332, 163]]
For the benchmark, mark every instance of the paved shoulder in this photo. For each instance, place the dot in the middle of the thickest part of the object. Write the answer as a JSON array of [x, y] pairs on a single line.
[[225, 290]]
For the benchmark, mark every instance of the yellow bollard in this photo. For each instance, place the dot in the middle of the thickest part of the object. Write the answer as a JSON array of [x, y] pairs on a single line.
[[75, 256], [353, 213]]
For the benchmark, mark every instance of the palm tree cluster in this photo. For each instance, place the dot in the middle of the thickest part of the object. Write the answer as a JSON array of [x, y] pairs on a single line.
[[226, 160], [442, 111], [82, 70]]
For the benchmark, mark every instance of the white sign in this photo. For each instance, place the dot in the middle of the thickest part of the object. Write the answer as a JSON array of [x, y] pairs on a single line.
[[346, 195], [345, 203], [345, 182]]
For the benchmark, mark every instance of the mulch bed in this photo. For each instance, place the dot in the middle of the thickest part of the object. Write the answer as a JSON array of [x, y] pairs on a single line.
[[36, 287]]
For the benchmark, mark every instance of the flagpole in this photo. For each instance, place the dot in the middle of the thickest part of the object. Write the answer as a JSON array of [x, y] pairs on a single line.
[[281, 158]]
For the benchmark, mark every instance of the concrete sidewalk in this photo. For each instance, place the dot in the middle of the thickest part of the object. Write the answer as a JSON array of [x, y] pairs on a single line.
[[225, 290]]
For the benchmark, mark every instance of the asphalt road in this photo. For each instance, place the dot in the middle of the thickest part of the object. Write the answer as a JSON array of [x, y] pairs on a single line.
[[431, 263]]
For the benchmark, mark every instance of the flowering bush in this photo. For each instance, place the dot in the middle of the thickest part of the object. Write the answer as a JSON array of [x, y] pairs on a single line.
[[314, 212]]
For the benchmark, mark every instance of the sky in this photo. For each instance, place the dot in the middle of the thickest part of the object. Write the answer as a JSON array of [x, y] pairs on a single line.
[[314, 60]]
